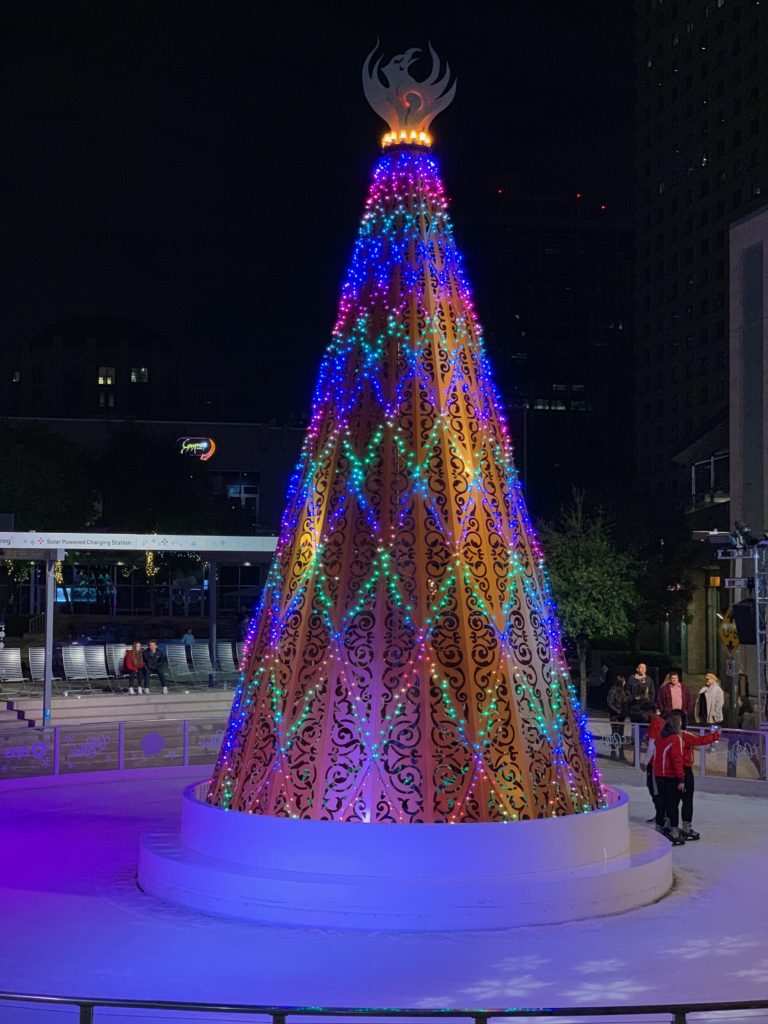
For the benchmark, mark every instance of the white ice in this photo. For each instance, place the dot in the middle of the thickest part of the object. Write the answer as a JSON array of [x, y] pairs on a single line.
[[73, 922]]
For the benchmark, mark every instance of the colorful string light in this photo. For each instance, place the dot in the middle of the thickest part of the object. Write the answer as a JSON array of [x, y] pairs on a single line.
[[405, 662]]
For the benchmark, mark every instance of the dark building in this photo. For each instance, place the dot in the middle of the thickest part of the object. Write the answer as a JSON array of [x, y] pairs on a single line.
[[702, 158], [107, 366], [553, 277], [111, 385], [95, 366]]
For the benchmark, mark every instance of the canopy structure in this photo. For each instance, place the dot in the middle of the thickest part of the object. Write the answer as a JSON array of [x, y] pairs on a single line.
[[53, 546]]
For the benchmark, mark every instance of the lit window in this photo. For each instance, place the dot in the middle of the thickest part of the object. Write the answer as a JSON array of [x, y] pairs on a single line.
[[541, 403], [558, 404], [16, 377], [106, 399], [579, 406], [139, 375], [559, 387], [106, 375], [577, 387]]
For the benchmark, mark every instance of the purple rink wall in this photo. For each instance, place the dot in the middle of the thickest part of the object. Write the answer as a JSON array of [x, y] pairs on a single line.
[[411, 877]]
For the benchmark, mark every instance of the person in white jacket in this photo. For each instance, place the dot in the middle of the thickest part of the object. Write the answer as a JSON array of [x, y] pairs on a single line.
[[709, 703]]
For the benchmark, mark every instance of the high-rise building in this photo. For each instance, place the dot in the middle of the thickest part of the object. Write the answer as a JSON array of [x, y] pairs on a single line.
[[749, 362], [555, 275], [702, 158]]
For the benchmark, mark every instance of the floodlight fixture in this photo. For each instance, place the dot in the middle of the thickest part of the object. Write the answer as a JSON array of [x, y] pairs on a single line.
[[715, 537]]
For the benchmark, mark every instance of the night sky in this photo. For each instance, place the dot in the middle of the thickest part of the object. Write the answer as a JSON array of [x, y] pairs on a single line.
[[203, 165]]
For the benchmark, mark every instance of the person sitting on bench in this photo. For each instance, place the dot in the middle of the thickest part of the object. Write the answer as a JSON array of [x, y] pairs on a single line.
[[154, 662], [133, 664]]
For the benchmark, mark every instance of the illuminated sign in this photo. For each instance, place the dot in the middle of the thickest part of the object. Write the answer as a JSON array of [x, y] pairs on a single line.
[[199, 447]]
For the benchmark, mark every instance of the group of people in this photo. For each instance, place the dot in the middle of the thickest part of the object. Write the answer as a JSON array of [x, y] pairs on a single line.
[[140, 664], [636, 699], [669, 760]]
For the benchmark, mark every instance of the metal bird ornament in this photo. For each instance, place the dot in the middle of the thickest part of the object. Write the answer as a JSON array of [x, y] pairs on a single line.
[[407, 105]]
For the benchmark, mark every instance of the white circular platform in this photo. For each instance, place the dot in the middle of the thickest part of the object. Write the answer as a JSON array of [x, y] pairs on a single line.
[[405, 877]]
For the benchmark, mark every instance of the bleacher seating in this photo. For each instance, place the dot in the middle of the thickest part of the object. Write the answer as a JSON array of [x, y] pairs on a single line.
[[90, 667]]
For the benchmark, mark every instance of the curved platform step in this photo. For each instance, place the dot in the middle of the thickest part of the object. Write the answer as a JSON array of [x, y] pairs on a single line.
[[406, 877]]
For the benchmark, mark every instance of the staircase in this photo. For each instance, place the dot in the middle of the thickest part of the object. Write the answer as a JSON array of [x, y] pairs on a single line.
[[92, 708]]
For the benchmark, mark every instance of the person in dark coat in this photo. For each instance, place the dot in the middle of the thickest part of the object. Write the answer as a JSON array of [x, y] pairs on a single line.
[[618, 705], [154, 662]]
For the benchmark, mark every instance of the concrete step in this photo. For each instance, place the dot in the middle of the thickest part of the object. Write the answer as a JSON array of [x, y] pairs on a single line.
[[137, 719], [9, 720]]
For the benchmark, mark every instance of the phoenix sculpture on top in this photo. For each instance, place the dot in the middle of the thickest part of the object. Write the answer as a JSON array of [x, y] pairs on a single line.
[[405, 662], [407, 105]]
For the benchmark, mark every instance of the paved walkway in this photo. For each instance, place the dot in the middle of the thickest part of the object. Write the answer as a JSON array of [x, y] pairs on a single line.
[[74, 922]]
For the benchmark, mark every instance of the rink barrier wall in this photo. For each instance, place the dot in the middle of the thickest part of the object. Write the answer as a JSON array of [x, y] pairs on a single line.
[[675, 1013], [108, 749]]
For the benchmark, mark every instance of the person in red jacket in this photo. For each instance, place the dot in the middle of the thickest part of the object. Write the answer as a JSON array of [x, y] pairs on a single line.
[[133, 663], [669, 771], [674, 695], [689, 742]]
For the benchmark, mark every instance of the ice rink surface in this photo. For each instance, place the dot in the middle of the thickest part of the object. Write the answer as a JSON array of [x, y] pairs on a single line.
[[75, 923]]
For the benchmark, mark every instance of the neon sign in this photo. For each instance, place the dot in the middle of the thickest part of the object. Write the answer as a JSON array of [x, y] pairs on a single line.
[[198, 447]]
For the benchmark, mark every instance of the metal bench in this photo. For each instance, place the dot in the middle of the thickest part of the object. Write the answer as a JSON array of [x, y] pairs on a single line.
[[225, 658], [115, 654], [75, 666], [37, 668], [178, 666], [96, 663], [202, 663], [10, 666]]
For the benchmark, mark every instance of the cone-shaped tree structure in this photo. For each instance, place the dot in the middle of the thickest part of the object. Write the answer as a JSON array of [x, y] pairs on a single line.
[[405, 663]]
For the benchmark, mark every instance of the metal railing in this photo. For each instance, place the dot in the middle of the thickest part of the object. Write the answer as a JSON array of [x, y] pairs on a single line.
[[172, 743], [739, 753], [109, 746], [677, 1013]]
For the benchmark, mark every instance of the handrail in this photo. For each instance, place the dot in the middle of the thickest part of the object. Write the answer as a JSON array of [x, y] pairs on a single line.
[[677, 1011]]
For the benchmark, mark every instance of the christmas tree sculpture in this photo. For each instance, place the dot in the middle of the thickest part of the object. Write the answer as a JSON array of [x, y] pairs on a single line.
[[405, 663]]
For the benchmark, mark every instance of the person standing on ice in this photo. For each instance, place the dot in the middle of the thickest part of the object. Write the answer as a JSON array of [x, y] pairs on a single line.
[[669, 771], [654, 732], [689, 742]]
